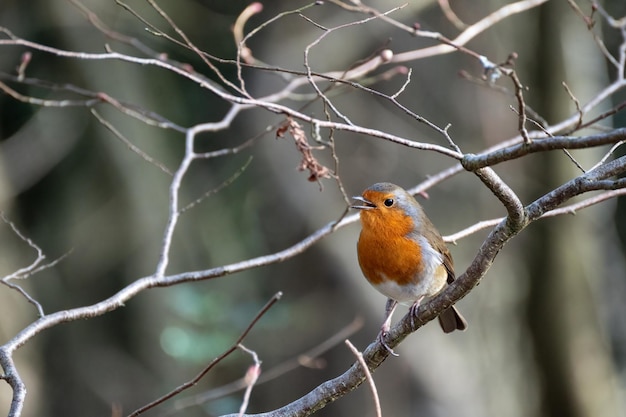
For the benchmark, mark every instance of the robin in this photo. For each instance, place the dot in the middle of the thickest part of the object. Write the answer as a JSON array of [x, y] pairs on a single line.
[[402, 254]]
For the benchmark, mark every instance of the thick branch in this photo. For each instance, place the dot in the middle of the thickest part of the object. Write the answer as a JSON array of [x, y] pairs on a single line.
[[12, 377], [468, 34], [375, 353], [595, 179], [472, 162], [505, 194]]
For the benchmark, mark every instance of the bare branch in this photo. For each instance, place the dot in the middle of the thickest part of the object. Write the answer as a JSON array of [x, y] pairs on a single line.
[[406, 83], [12, 377], [21, 69], [307, 359], [468, 34], [129, 144], [450, 15], [310, 87], [40, 256], [368, 376], [476, 227], [243, 51], [511, 202], [521, 106], [491, 158], [45, 103], [593, 180], [190, 44], [236, 345], [26, 295], [569, 209], [588, 202], [223, 185], [375, 353], [576, 103], [240, 103], [252, 375], [23, 273], [590, 24], [242, 43]]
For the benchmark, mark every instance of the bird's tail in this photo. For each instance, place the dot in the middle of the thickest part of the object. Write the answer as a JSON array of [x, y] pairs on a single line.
[[451, 320]]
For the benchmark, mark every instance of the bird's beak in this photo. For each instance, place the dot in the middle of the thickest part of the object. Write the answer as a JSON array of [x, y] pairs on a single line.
[[367, 205]]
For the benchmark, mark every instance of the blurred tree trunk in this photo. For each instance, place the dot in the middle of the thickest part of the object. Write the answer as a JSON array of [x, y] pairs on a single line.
[[573, 363]]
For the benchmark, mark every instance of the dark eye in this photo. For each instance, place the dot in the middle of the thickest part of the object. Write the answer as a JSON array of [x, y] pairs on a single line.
[[388, 202]]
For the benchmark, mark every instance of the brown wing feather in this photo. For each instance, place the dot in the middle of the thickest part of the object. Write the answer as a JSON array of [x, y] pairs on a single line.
[[447, 262], [435, 239], [450, 320]]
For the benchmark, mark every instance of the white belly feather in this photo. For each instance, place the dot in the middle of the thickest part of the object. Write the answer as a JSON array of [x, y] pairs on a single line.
[[432, 279]]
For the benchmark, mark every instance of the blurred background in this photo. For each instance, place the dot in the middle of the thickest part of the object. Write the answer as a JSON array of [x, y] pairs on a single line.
[[546, 336]]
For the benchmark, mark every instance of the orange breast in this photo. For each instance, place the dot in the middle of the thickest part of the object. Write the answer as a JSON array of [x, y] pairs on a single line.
[[384, 251]]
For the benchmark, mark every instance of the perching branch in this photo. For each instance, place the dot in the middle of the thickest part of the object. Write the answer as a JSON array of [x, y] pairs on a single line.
[[375, 353]]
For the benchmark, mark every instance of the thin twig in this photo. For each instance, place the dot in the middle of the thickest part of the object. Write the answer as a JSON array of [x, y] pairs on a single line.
[[129, 144], [190, 44], [538, 120], [185, 164], [31, 269], [616, 109], [450, 15], [24, 61], [307, 359], [214, 362], [568, 209], [242, 103], [220, 187], [253, 32], [92, 98], [368, 376], [235, 150], [521, 106], [325, 33], [40, 256], [376, 353], [467, 35], [44, 102], [608, 154], [406, 83], [26, 295], [576, 103], [589, 22], [243, 51], [470, 230], [252, 375]]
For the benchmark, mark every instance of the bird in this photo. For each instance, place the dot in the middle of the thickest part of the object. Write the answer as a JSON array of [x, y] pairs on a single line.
[[402, 254]]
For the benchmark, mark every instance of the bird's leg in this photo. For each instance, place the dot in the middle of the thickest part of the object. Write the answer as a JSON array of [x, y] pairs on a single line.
[[413, 311], [384, 330]]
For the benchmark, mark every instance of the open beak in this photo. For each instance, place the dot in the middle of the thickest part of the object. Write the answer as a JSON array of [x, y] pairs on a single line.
[[367, 205]]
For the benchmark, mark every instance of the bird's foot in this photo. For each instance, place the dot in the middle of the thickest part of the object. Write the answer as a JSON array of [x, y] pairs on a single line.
[[381, 339], [413, 312]]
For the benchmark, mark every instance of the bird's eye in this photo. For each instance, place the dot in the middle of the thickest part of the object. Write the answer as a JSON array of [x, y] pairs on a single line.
[[388, 202]]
